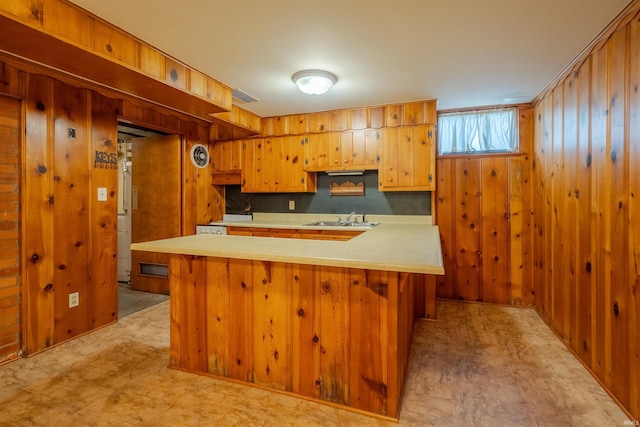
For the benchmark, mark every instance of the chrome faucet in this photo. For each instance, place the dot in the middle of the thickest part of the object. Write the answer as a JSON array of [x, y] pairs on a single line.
[[348, 219]]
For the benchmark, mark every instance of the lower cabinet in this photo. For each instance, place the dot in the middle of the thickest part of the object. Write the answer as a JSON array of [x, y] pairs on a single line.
[[293, 233], [331, 334]]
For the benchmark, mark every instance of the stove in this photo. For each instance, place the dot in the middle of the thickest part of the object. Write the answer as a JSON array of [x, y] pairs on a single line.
[[219, 227]]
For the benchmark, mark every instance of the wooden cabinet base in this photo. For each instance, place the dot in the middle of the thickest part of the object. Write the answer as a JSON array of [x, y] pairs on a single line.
[[332, 334]]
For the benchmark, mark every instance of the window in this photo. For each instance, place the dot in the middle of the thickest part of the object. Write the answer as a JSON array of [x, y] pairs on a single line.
[[480, 131]]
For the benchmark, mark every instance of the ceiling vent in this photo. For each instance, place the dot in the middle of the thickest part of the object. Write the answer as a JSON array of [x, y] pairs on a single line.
[[243, 96]]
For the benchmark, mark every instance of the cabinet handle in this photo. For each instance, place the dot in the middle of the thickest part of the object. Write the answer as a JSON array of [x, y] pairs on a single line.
[[390, 179], [346, 160], [335, 161]]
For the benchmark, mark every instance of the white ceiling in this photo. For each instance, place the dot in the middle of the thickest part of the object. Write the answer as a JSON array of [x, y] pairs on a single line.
[[465, 53]]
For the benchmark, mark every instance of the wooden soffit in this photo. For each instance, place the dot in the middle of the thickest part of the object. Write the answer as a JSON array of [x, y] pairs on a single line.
[[127, 64]]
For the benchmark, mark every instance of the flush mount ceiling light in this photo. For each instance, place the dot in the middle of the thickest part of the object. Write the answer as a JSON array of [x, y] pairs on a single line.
[[314, 82]]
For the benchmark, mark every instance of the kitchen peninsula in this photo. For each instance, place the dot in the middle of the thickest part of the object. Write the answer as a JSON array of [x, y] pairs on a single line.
[[329, 320]]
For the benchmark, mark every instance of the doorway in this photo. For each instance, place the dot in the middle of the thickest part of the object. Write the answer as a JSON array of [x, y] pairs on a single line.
[[139, 175]]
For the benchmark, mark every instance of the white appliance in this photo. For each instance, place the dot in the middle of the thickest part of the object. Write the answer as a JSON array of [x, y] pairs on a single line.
[[220, 227], [211, 229]]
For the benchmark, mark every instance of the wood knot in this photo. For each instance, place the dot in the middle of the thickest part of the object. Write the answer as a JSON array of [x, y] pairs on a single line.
[[301, 312], [326, 287]]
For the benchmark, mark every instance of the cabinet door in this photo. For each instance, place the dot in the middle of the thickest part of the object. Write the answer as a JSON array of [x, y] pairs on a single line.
[[316, 152], [372, 148], [424, 157], [407, 159], [346, 151], [288, 158], [257, 169], [275, 165], [335, 152], [388, 173], [265, 162], [230, 159]]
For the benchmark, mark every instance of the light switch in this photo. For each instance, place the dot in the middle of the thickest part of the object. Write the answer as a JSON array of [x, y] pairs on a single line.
[[102, 194]]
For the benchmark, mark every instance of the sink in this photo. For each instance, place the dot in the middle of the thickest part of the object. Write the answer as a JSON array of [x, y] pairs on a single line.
[[361, 224], [342, 224], [326, 224]]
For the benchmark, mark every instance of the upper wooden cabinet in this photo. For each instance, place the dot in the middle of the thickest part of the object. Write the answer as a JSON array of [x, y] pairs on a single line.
[[349, 150], [226, 162], [275, 165], [407, 159]]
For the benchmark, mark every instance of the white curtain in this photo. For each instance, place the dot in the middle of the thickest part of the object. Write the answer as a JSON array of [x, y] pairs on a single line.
[[478, 131]]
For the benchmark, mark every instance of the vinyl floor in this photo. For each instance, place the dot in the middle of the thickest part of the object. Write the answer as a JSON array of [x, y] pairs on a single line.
[[477, 365]]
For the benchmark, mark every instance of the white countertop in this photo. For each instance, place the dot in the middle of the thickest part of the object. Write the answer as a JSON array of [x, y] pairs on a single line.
[[407, 245]]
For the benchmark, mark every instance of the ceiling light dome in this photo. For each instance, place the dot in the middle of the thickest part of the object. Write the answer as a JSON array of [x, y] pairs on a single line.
[[314, 82]]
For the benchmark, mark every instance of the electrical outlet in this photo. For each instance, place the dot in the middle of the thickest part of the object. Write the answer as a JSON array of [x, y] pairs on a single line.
[[292, 205], [74, 299], [102, 194]]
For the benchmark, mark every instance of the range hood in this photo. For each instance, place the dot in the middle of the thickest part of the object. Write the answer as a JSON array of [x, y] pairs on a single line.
[[345, 173]]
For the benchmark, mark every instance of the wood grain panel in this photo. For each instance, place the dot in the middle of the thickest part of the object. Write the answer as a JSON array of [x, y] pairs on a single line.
[[193, 319], [584, 278], [568, 199], [599, 193], [114, 43], [305, 328], [67, 20], [71, 206], [445, 208], [219, 317], [319, 122], [618, 223], [241, 320], [467, 222], [393, 115], [334, 335], [372, 148], [388, 173], [496, 286], [359, 118], [103, 221], [366, 386], [634, 213], [405, 157], [559, 294], [272, 329], [38, 214]]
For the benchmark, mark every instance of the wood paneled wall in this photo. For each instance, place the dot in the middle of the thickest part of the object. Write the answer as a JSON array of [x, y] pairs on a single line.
[[68, 239], [483, 209], [10, 131], [587, 221]]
